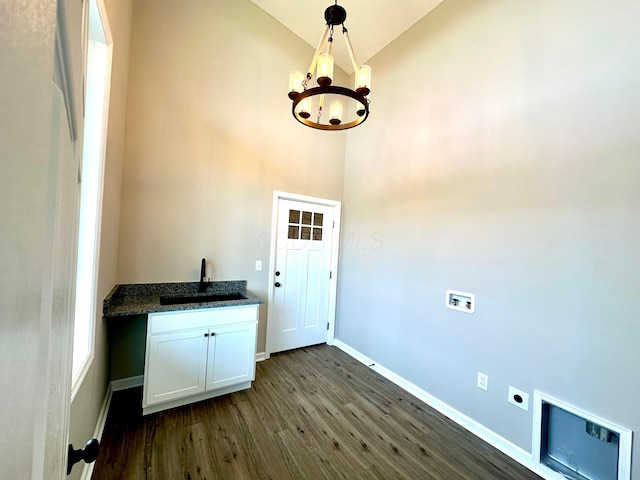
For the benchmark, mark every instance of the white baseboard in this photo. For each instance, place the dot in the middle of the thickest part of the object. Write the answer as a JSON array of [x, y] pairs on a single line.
[[87, 471], [492, 438], [261, 356], [125, 383]]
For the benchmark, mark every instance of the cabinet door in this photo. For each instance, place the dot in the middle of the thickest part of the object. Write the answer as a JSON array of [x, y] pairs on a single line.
[[176, 365], [232, 355]]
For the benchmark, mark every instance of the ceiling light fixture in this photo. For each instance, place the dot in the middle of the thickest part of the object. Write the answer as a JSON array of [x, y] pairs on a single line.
[[305, 100]]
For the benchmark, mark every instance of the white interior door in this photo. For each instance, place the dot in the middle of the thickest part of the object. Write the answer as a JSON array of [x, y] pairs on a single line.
[[38, 195], [299, 311], [59, 295]]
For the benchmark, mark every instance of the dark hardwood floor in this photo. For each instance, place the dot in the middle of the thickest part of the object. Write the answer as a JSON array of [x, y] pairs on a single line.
[[313, 413]]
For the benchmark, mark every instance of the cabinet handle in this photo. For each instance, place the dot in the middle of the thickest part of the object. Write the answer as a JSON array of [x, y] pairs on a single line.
[[206, 334], [212, 334]]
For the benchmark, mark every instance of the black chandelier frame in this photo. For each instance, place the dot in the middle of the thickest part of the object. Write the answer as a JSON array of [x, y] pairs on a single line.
[[334, 15]]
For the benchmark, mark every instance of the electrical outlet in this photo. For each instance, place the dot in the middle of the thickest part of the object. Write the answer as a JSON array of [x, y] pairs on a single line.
[[518, 398], [483, 381], [258, 265]]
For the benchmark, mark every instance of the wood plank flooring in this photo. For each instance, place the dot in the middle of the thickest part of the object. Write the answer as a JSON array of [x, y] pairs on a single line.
[[313, 413]]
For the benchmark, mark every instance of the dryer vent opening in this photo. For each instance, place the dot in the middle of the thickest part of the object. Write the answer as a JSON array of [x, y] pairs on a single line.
[[579, 445]]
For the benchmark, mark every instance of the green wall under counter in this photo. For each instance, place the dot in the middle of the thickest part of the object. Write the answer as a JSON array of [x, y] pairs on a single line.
[[127, 347]]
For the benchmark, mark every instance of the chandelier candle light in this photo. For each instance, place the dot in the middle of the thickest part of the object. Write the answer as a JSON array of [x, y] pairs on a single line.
[[302, 96]]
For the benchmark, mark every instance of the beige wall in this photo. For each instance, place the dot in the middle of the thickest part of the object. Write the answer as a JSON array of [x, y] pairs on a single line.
[[501, 159], [209, 138], [88, 401]]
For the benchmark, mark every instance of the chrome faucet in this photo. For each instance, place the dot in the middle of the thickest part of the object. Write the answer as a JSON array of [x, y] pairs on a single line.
[[203, 274]]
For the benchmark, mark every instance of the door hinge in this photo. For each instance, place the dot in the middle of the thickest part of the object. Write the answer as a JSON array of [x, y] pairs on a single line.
[[334, 224], [327, 325], [330, 275]]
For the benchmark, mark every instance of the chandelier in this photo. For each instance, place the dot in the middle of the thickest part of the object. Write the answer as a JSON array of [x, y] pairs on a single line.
[[308, 103]]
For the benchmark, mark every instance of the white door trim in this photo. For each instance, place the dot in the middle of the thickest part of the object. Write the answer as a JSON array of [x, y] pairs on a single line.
[[333, 282]]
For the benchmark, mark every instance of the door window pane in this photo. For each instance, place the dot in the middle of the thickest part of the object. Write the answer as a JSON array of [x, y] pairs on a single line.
[[294, 216], [305, 225]]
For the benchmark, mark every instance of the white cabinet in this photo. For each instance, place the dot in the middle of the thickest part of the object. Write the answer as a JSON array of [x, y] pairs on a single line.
[[176, 365], [198, 354], [231, 357]]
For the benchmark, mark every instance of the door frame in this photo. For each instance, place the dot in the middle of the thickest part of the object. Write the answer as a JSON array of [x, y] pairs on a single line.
[[335, 245]]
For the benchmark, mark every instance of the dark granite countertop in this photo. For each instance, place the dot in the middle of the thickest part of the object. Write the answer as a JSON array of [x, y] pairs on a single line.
[[141, 298]]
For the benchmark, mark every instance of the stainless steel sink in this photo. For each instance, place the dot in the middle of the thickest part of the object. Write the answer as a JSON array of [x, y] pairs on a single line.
[[215, 297]]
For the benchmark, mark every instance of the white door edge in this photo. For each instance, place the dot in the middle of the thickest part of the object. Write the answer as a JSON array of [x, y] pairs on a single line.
[[337, 208]]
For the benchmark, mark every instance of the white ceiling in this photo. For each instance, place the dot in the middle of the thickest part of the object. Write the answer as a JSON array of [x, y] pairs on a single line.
[[372, 24]]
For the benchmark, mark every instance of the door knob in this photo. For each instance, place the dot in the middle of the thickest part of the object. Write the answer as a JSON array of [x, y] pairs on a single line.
[[278, 284], [89, 454], [278, 273]]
